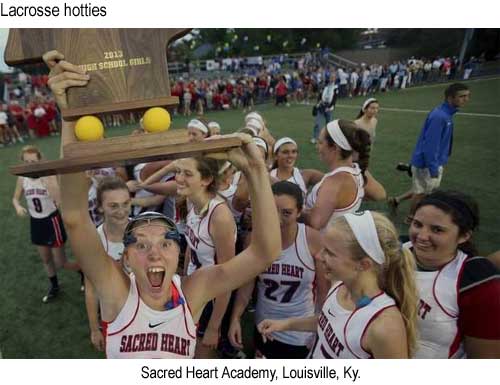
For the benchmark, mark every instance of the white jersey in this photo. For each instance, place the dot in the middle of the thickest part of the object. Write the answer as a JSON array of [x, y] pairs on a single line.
[[236, 178], [340, 331], [286, 288], [439, 335], [296, 178], [355, 172], [199, 239], [113, 249], [38, 200], [141, 332], [228, 194]]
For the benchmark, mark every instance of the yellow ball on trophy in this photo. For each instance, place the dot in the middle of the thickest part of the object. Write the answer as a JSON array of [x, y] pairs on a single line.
[[89, 128], [156, 119]]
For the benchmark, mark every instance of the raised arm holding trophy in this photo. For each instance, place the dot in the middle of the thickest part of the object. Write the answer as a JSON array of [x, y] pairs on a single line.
[[153, 305], [127, 71]]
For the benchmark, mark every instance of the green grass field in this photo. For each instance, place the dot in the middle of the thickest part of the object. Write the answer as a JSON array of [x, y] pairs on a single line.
[[30, 329]]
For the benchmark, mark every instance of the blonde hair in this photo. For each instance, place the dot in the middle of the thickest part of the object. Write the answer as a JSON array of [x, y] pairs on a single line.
[[30, 149], [396, 276]]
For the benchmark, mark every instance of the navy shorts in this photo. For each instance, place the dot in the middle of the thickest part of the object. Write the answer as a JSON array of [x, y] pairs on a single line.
[[277, 349], [48, 231]]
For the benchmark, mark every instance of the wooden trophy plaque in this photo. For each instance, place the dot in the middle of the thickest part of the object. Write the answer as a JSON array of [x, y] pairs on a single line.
[[127, 67], [128, 71]]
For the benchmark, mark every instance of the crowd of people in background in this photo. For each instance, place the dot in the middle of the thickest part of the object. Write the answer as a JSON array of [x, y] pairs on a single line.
[[27, 109], [331, 281], [303, 80]]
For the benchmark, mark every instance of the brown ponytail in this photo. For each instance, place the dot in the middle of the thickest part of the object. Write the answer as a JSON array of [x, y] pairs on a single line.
[[359, 140], [361, 143]]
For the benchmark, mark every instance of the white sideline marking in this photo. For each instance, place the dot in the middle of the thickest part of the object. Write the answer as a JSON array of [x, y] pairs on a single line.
[[423, 111]]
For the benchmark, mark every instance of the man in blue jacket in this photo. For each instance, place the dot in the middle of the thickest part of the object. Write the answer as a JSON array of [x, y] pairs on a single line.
[[434, 145]]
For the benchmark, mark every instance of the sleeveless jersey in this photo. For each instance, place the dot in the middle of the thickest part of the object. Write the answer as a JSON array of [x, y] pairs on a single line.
[[113, 249], [355, 172], [439, 335], [296, 178], [38, 200], [340, 331], [285, 289], [236, 178], [141, 332], [228, 194], [199, 239]]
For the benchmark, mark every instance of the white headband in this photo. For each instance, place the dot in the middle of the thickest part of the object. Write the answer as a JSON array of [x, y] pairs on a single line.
[[363, 228], [368, 101], [337, 135], [254, 115], [195, 123], [254, 125], [224, 167], [214, 125], [260, 142], [281, 142]]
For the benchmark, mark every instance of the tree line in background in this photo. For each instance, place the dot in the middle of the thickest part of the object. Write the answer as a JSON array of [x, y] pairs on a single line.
[[431, 42], [428, 42], [227, 42]]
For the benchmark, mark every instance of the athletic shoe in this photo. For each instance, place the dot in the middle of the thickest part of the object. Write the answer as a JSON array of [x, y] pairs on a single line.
[[51, 294], [313, 140], [404, 167]]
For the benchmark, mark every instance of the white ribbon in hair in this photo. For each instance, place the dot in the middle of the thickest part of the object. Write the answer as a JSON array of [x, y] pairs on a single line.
[[224, 167], [214, 125], [281, 142], [195, 123], [254, 115], [254, 125], [367, 102], [337, 135], [260, 142], [363, 228]]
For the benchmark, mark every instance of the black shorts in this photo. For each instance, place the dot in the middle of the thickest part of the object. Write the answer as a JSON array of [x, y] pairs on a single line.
[[207, 313], [48, 231], [277, 349]]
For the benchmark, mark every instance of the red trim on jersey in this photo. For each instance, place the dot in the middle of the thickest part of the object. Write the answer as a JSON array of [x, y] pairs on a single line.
[[356, 199], [135, 314], [455, 345], [57, 231], [175, 298], [185, 321], [208, 225], [368, 324], [434, 286], [347, 323], [104, 326], [314, 286], [297, 249]]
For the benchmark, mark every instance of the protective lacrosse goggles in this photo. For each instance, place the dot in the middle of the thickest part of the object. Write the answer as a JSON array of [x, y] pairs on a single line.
[[145, 219]]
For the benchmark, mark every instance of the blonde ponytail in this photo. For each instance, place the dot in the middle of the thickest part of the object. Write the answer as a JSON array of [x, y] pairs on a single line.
[[397, 277]]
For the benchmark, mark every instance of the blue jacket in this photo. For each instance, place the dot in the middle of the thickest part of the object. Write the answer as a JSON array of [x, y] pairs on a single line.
[[434, 143]]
